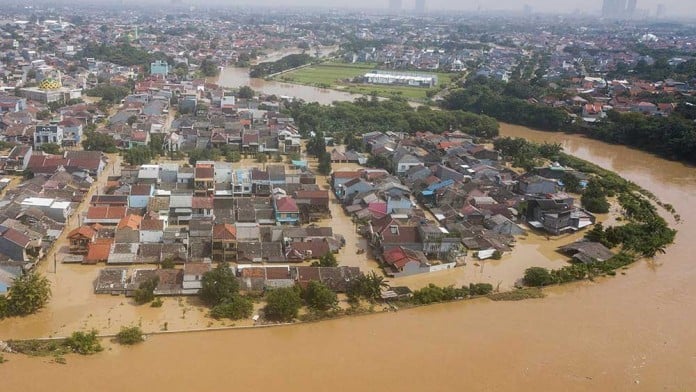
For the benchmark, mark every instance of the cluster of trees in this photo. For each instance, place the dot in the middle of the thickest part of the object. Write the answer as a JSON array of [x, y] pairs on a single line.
[[28, 293], [220, 290], [673, 137], [96, 141], [525, 154], [433, 293], [209, 67], [108, 93], [288, 62], [539, 276], [659, 70], [146, 291], [594, 198], [130, 335], [368, 115], [368, 287], [121, 54], [84, 343], [509, 104], [316, 146]]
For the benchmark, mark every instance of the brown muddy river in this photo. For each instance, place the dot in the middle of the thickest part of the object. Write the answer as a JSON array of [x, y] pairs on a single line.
[[628, 333]]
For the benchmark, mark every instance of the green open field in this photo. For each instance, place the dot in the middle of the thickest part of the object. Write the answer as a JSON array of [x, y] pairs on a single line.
[[338, 76]]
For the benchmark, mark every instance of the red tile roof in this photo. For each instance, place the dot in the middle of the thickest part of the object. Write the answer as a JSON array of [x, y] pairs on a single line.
[[106, 212], [224, 232], [131, 221], [84, 231], [98, 250], [286, 204]]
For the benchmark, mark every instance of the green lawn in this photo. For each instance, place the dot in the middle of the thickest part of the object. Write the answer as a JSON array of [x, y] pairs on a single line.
[[336, 75]]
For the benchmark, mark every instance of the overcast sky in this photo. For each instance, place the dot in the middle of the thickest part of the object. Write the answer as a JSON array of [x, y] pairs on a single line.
[[684, 8]]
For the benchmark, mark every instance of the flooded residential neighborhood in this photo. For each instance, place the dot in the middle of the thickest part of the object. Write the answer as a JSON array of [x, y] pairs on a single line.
[[208, 197]]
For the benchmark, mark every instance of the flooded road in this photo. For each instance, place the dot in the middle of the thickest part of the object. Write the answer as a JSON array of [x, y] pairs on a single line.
[[628, 333]]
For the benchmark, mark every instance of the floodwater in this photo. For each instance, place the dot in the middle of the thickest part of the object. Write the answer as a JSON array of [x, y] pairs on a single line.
[[235, 77], [627, 333]]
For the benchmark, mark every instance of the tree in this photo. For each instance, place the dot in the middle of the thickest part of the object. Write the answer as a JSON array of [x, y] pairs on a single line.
[[480, 288], [28, 293], [130, 335], [324, 163], [328, 260], [167, 263], [138, 155], [85, 343], [366, 286], [261, 158], [95, 141], [146, 291], [594, 198], [218, 285], [234, 308], [283, 304], [319, 297], [571, 183], [209, 67], [43, 115], [245, 92], [50, 148], [537, 277], [4, 307], [316, 145]]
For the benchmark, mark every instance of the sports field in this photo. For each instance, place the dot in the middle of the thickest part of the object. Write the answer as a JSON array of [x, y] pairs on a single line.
[[339, 76]]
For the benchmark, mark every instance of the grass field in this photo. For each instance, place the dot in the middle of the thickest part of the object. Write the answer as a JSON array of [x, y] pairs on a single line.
[[338, 76]]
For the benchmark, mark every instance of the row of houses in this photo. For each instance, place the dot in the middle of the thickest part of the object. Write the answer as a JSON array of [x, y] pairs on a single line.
[[187, 280]]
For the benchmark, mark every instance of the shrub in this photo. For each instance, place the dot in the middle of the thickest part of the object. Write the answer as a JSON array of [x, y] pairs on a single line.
[[235, 308], [282, 304], [537, 277], [146, 291], [130, 335], [85, 343]]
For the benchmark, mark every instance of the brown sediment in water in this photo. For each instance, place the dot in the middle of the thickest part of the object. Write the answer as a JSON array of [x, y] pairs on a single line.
[[631, 332]]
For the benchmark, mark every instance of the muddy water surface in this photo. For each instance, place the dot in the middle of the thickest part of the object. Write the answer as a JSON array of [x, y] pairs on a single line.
[[629, 333]]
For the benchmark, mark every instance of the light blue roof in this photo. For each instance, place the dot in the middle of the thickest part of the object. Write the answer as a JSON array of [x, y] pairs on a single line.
[[299, 163]]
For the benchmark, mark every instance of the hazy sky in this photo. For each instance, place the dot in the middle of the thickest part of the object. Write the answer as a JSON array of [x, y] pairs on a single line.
[[685, 8]]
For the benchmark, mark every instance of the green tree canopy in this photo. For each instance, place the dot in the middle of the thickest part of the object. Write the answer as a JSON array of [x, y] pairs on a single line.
[[283, 304], [234, 308], [537, 277], [219, 285], [319, 297], [28, 293]]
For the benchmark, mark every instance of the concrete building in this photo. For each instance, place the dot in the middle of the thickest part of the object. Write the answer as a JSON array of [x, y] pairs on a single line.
[[159, 67]]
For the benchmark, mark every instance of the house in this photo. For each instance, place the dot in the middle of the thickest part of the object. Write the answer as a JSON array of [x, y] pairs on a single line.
[[98, 251], [18, 159], [404, 163], [286, 210], [352, 188], [16, 245], [338, 178], [193, 276], [151, 230], [313, 200], [437, 240], [80, 239], [533, 185], [587, 252], [140, 194], [557, 215], [129, 222], [204, 179], [57, 210], [224, 243], [592, 112], [405, 262], [499, 224], [104, 215], [45, 134]]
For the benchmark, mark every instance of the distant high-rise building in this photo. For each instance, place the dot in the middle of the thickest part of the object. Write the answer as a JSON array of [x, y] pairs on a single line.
[[615, 8], [395, 6], [661, 10], [631, 7], [420, 6]]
